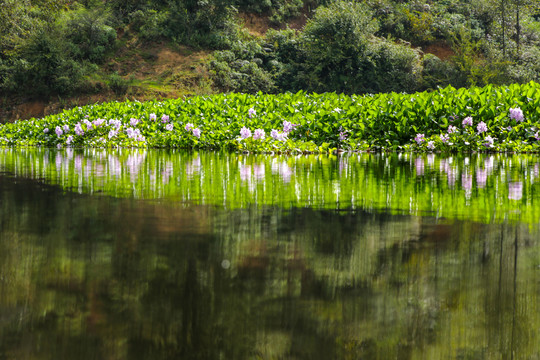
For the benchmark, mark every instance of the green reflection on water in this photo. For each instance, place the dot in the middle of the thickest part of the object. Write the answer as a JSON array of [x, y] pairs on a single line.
[[222, 267], [484, 188]]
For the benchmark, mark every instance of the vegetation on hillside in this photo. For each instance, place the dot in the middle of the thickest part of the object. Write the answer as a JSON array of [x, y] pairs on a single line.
[[52, 48]]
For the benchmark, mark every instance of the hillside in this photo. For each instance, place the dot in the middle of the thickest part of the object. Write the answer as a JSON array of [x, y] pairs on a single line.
[[111, 50]]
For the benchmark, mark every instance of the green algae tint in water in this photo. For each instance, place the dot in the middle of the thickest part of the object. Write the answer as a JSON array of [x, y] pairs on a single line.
[[165, 255]]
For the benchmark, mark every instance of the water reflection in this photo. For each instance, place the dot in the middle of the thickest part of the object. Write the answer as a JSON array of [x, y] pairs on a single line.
[[456, 186], [94, 277]]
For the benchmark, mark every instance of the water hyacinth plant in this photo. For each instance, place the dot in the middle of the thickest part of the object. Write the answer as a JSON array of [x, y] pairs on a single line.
[[448, 120]]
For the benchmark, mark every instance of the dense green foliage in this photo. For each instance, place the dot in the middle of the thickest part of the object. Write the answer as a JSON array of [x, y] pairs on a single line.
[[53, 47], [488, 119]]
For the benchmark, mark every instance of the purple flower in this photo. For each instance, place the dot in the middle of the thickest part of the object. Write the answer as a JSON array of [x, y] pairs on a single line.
[[452, 129], [288, 126], [133, 121], [78, 129], [419, 138], [197, 132], [169, 127], [58, 131], [113, 133], [189, 126], [489, 141], [46, 130], [482, 127], [251, 112], [98, 122], [279, 136], [65, 128], [342, 136], [467, 121], [444, 137], [509, 128], [245, 133], [152, 117], [165, 118], [516, 114], [259, 134], [537, 136], [431, 145], [69, 140]]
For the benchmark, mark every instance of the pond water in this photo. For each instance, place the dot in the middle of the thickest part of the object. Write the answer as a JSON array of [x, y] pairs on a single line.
[[139, 254]]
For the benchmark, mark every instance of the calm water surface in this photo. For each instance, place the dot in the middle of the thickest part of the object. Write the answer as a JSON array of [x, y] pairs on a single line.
[[135, 254]]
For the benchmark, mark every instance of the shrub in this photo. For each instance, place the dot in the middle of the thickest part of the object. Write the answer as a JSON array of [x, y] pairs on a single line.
[[89, 34], [342, 55]]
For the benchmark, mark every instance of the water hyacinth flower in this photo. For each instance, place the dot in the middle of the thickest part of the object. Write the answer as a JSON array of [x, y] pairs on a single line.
[[342, 136], [516, 114], [431, 145], [165, 118], [78, 129], [46, 130], [537, 136], [419, 138], [69, 140], [251, 113], [88, 124], [444, 137], [66, 128], [58, 131], [482, 127], [98, 122], [112, 133], [132, 122], [489, 141], [259, 134], [153, 117], [452, 129], [197, 132], [169, 127], [467, 121], [189, 126], [279, 136], [245, 133], [288, 126]]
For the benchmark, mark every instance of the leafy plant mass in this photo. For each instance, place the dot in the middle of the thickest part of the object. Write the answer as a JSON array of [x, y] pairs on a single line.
[[494, 119]]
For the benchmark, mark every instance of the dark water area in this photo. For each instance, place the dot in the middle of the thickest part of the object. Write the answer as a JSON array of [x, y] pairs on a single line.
[[160, 255]]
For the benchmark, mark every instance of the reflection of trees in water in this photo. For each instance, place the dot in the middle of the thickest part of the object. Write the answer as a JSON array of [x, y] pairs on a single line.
[[91, 277]]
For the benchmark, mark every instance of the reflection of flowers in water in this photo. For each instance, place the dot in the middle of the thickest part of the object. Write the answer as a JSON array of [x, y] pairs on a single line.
[[419, 165], [343, 164], [259, 171], [466, 183], [245, 172], [283, 169], [167, 172], [133, 163], [430, 160], [194, 166], [489, 164], [481, 178], [58, 160], [115, 168], [515, 190], [78, 163]]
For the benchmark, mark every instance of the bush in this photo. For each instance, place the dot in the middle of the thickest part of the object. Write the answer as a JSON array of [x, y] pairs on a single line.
[[89, 34], [118, 84], [44, 67], [342, 55]]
